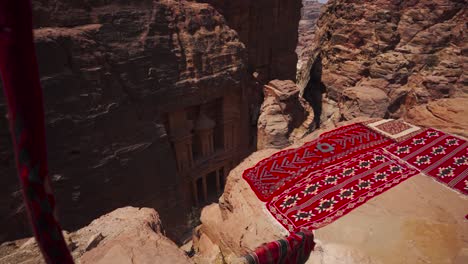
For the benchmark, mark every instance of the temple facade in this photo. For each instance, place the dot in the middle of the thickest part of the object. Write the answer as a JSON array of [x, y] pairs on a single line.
[[206, 141]]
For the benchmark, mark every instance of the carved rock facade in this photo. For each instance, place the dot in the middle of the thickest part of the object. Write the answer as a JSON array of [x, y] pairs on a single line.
[[148, 103]]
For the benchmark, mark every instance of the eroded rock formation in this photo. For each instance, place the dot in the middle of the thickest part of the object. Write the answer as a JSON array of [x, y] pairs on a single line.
[[281, 113], [412, 51], [127, 235]]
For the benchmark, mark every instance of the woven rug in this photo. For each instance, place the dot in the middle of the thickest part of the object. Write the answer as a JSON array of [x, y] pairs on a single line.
[[439, 155], [272, 173], [321, 196], [394, 129]]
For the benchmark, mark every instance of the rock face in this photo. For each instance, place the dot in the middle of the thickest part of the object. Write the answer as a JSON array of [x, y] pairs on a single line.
[[127, 235], [131, 235], [269, 29], [116, 78], [368, 102], [413, 51], [448, 114], [307, 26], [418, 221], [281, 112], [126, 84]]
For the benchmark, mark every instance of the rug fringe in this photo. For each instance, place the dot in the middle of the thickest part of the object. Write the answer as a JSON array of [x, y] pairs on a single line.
[[272, 220]]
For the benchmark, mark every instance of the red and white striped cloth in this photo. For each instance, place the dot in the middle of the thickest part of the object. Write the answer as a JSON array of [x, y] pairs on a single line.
[[19, 72]]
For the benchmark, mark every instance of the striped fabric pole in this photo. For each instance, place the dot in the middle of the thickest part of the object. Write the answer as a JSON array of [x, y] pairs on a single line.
[[294, 249], [19, 72]]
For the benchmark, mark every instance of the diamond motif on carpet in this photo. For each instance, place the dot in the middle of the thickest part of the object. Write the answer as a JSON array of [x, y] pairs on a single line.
[[439, 155], [322, 196]]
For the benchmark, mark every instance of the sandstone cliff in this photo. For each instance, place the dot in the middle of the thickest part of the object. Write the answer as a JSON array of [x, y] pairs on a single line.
[[389, 56], [111, 72], [269, 29], [118, 76]]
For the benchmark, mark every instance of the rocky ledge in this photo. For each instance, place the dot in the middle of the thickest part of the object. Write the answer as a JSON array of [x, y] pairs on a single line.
[[418, 221], [124, 236]]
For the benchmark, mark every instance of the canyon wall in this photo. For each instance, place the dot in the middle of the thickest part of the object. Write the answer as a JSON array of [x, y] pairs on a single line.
[[113, 75], [268, 28], [148, 101], [307, 25], [382, 58]]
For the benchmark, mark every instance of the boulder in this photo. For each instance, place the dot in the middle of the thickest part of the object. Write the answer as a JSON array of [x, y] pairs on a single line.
[[280, 113], [363, 102]]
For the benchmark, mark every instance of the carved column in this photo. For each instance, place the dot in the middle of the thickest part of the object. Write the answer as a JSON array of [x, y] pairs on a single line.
[[195, 191], [205, 188], [218, 182], [231, 116], [183, 150], [227, 169], [204, 131], [181, 138]]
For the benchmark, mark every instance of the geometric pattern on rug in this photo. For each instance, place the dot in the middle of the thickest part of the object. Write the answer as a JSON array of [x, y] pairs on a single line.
[[395, 129], [437, 154], [319, 197], [272, 173]]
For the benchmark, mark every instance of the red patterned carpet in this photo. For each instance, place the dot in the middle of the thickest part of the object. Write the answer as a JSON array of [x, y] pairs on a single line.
[[311, 186], [438, 155], [321, 196], [274, 172]]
